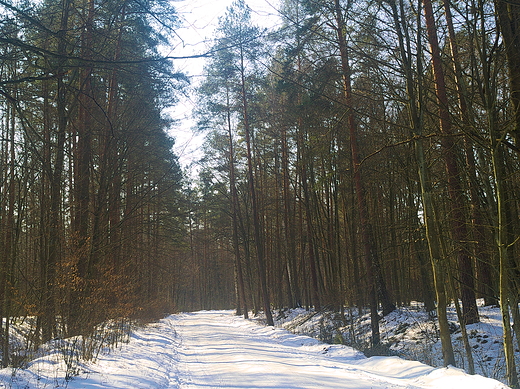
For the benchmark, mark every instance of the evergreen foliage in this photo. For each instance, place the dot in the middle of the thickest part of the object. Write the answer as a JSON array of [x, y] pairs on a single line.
[[92, 205], [360, 154]]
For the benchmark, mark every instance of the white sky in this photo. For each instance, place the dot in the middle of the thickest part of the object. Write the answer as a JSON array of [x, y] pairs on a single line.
[[200, 18]]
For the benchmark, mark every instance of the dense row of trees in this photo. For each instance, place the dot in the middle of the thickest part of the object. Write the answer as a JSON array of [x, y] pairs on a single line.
[[364, 154], [90, 192]]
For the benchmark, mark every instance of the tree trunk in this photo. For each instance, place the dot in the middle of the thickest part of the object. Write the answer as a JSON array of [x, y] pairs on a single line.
[[505, 263], [79, 314], [508, 13], [374, 273], [503, 240], [415, 109], [289, 227], [483, 260], [234, 216], [315, 289], [457, 200], [52, 256], [259, 242]]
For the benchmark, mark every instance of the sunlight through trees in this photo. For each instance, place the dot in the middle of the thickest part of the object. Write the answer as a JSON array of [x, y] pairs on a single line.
[[361, 154]]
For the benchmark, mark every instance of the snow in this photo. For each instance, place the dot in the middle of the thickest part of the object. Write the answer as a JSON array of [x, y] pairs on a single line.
[[215, 349], [411, 333]]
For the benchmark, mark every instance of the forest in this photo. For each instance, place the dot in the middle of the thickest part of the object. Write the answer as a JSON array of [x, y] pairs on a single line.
[[359, 154]]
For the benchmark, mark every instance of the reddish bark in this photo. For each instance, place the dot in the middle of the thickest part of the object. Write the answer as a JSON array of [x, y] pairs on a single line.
[[457, 201]]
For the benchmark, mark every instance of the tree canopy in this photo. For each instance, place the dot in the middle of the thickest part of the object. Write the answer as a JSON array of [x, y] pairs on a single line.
[[360, 154]]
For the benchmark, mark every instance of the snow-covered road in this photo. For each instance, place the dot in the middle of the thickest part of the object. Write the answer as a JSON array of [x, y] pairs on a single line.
[[216, 349], [222, 351]]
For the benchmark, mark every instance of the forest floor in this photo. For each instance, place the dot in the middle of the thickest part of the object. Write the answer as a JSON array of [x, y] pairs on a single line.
[[216, 349], [410, 333]]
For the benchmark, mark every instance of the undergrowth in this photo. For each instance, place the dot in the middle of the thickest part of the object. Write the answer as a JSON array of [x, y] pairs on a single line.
[[409, 332]]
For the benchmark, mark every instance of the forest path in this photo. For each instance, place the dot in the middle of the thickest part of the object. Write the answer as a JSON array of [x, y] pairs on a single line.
[[219, 350], [216, 349]]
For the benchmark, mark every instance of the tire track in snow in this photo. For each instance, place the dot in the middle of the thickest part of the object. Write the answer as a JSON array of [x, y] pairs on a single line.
[[222, 351], [219, 350]]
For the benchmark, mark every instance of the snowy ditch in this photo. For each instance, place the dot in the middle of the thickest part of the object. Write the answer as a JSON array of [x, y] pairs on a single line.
[[217, 349], [410, 333]]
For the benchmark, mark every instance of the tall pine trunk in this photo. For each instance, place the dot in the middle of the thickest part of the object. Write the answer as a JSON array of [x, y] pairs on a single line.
[[457, 199], [429, 217], [508, 13], [51, 257], [257, 224], [242, 301], [79, 314], [376, 283]]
